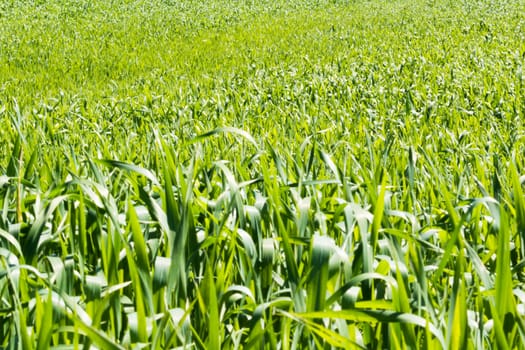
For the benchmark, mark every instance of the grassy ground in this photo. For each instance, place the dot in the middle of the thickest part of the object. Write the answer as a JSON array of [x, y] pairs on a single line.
[[262, 174]]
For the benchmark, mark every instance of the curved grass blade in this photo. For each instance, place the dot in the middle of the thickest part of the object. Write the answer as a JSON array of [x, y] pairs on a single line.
[[226, 129], [131, 168], [373, 316]]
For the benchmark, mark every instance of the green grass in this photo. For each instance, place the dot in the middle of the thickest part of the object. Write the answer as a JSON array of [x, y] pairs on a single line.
[[262, 174]]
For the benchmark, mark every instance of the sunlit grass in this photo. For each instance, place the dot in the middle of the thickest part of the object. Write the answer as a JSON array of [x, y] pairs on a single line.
[[319, 174]]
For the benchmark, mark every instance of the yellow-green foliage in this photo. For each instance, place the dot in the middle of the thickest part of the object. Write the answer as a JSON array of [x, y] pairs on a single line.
[[262, 174]]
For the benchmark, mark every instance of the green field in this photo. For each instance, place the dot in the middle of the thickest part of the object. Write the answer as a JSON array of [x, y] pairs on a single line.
[[262, 174]]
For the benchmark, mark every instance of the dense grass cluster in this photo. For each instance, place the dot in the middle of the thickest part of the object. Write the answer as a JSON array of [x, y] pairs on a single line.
[[262, 174]]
